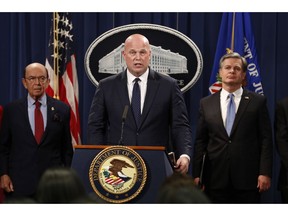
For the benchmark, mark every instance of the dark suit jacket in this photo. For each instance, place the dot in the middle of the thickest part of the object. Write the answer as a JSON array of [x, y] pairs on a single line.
[[240, 158], [164, 111], [1, 113], [1, 190], [281, 136], [20, 155]]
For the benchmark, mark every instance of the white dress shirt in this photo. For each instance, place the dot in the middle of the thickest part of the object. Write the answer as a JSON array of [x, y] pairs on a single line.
[[224, 100], [142, 84]]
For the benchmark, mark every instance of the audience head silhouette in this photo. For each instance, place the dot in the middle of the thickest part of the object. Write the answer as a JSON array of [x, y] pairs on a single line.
[[60, 185], [180, 188]]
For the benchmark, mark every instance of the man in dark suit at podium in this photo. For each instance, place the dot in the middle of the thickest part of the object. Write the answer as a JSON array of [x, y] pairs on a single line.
[[163, 118]]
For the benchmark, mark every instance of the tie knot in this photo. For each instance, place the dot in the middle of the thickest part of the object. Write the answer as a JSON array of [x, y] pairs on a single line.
[[37, 104], [136, 80], [230, 95]]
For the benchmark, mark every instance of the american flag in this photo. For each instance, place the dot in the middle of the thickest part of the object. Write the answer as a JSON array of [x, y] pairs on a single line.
[[115, 181], [61, 65], [236, 35]]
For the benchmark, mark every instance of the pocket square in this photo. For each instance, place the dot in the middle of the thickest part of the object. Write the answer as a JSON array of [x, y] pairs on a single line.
[[56, 117]]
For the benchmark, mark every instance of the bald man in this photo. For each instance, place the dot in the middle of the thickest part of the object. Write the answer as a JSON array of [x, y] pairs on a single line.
[[23, 158], [163, 117]]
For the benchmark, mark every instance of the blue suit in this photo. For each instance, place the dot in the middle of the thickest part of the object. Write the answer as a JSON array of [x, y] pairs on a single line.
[[21, 157], [164, 115]]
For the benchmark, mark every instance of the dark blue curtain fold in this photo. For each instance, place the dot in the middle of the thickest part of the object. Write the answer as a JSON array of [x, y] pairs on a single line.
[[24, 39]]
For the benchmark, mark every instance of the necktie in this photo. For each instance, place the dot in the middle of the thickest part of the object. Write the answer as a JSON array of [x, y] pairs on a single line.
[[230, 113], [136, 101], [39, 124]]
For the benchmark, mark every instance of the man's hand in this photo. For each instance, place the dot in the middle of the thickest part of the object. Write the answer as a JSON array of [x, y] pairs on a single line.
[[182, 165], [264, 183], [6, 183]]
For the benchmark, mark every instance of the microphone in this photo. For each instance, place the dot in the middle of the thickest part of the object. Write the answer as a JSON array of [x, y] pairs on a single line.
[[124, 115]]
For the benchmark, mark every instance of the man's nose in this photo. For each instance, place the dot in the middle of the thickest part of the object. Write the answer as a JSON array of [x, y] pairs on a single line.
[[137, 56], [37, 80]]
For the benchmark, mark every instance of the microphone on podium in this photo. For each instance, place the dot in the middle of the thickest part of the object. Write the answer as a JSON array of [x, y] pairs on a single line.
[[124, 116]]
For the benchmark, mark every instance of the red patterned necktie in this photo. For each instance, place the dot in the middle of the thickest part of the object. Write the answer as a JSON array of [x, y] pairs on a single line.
[[39, 123]]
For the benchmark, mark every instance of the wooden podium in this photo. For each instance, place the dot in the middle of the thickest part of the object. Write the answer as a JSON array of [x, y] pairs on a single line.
[[155, 158]]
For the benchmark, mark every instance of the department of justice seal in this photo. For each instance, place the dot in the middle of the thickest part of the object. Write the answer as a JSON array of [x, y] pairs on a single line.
[[173, 54], [117, 174]]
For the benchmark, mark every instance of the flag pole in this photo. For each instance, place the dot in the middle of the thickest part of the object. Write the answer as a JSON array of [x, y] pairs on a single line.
[[233, 33], [55, 55]]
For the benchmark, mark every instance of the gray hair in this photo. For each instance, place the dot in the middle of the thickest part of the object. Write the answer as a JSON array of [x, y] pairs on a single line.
[[234, 55]]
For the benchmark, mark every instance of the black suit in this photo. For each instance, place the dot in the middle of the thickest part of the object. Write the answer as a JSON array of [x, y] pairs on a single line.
[[281, 135], [238, 160], [21, 157], [164, 113]]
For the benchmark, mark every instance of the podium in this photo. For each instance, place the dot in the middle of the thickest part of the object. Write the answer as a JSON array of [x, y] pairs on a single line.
[[155, 158]]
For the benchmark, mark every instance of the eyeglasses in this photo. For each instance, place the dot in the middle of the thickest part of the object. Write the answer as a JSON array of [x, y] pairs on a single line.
[[41, 79]]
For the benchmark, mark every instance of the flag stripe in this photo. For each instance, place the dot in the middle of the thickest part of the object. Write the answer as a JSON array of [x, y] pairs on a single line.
[[68, 79]]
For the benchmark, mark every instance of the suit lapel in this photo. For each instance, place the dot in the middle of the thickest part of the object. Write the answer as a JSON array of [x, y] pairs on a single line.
[[245, 99], [152, 87], [122, 87], [216, 108], [24, 106], [50, 111], [24, 110]]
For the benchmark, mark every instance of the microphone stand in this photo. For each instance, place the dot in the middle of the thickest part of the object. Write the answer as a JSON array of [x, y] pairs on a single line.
[[122, 129], [124, 115]]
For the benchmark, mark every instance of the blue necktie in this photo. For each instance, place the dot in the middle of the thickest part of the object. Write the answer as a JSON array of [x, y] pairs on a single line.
[[136, 101], [230, 113]]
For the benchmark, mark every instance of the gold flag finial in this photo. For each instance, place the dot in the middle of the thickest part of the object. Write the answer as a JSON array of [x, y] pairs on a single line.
[[229, 50]]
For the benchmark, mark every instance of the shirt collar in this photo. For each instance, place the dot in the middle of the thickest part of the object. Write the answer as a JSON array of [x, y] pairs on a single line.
[[237, 93], [42, 100], [143, 77]]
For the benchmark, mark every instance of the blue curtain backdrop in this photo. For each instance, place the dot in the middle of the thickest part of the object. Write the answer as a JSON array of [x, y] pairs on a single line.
[[24, 39]]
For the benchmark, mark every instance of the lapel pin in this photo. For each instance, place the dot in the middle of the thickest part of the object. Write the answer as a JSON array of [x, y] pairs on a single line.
[[52, 108], [246, 97]]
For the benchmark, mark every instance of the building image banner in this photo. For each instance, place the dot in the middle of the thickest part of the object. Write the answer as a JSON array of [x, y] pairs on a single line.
[[173, 54]]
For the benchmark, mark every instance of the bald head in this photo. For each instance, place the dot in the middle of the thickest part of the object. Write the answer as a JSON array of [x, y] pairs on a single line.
[[137, 38], [35, 66], [137, 53]]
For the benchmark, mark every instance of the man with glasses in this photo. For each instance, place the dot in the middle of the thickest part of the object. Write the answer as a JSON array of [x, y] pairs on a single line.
[[35, 135]]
